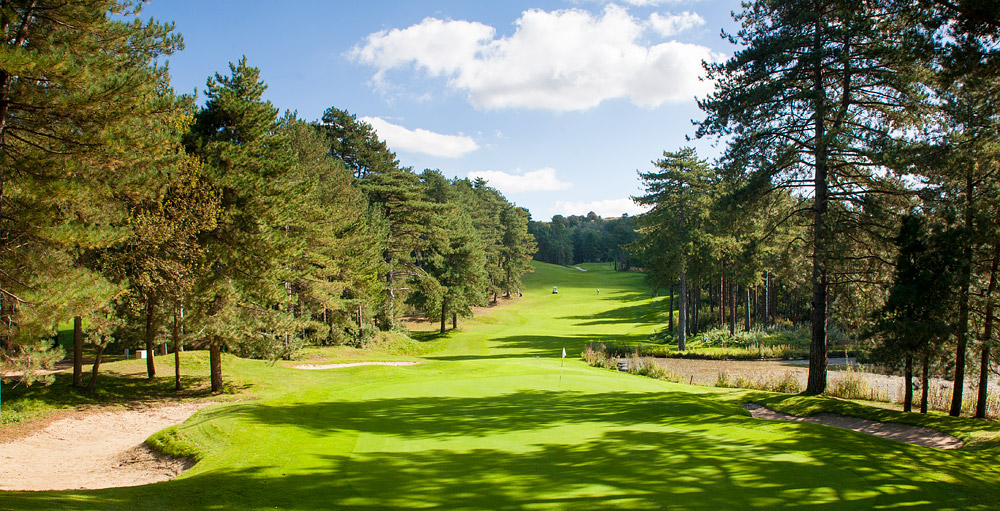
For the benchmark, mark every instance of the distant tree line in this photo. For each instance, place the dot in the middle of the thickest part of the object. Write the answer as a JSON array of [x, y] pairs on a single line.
[[858, 186], [230, 227], [586, 239]]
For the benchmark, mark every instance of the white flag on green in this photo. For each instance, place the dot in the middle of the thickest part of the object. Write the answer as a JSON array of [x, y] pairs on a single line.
[[564, 352]]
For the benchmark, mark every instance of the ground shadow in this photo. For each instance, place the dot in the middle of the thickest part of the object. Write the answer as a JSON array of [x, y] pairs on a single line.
[[657, 450]]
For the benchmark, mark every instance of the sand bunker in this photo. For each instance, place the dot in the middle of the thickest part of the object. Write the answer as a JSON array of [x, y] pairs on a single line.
[[906, 433], [353, 364], [90, 450]]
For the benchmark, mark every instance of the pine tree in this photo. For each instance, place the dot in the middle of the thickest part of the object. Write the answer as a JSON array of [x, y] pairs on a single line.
[[337, 263], [393, 192], [240, 295], [517, 247], [813, 86], [453, 278], [680, 193], [916, 316], [73, 75]]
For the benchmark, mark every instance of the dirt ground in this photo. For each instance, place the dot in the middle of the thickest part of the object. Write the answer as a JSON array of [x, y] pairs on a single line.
[[93, 449], [899, 432], [706, 372]]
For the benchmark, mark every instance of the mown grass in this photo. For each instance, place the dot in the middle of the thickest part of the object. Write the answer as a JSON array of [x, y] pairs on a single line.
[[495, 418]]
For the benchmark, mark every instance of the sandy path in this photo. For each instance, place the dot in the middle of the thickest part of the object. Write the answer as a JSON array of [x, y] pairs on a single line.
[[94, 450], [352, 364], [899, 432]]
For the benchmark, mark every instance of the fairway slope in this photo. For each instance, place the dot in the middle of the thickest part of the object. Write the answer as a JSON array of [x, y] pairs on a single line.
[[495, 418]]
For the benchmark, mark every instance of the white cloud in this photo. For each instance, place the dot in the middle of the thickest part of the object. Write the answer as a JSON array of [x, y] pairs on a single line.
[[561, 60], [420, 140], [541, 180], [672, 24], [604, 208], [647, 3]]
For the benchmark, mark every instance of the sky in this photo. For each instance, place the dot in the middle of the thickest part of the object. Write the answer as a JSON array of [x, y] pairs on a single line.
[[557, 104]]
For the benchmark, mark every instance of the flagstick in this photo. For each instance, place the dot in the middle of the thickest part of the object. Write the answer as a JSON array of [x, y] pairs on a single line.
[[561, 362]]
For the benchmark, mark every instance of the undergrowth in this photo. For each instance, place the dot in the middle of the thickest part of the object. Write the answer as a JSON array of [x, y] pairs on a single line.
[[607, 356], [787, 382]]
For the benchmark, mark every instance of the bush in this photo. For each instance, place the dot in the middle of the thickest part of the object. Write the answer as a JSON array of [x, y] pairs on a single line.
[[596, 354]]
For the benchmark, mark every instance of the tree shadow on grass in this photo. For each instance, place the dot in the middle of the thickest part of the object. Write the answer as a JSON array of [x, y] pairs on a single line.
[[481, 416], [645, 314], [111, 388], [542, 346], [654, 450]]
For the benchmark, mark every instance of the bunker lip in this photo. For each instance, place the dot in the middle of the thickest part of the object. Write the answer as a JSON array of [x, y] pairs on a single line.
[[916, 435], [351, 364]]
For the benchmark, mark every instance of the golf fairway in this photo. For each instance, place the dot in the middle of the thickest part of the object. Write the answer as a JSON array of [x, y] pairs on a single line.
[[494, 418]]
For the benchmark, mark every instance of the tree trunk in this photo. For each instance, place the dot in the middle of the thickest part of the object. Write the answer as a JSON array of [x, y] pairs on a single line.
[[711, 299], [389, 279], [444, 314], [284, 344], [215, 362], [984, 360], [77, 351], [697, 310], [361, 328], [925, 383], [682, 317], [150, 339], [690, 314], [772, 300], [454, 321], [93, 371], [767, 299], [748, 325], [722, 300], [962, 330], [176, 334], [908, 384], [733, 290], [818, 312]]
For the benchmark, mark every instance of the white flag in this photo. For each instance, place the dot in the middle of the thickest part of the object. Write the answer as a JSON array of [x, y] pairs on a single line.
[[564, 352]]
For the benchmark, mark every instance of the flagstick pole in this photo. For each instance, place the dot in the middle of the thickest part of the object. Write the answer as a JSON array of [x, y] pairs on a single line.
[[561, 362]]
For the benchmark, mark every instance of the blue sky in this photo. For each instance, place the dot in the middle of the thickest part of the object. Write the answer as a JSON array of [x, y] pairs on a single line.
[[556, 103]]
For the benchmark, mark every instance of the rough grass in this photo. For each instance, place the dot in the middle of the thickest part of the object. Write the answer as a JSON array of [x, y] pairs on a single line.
[[496, 419]]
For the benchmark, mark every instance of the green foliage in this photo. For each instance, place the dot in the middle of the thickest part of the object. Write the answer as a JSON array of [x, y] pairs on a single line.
[[79, 83], [585, 239]]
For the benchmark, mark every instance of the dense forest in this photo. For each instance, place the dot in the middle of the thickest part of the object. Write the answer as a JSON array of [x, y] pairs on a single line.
[[152, 222], [586, 239], [857, 190]]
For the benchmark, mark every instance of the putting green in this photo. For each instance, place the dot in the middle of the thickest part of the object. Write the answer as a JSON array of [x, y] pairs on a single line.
[[495, 419]]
